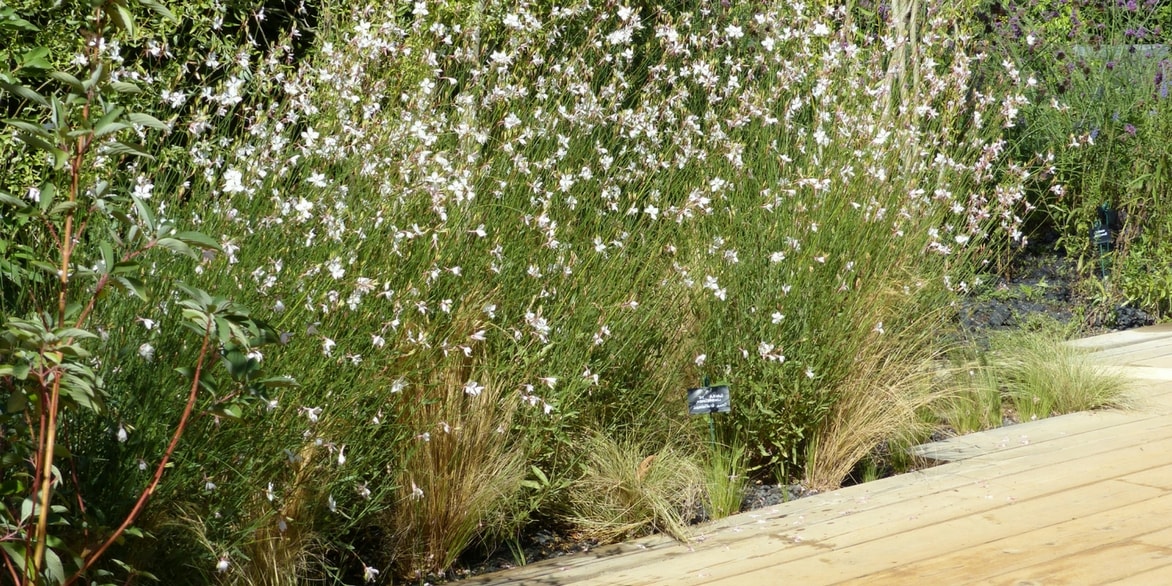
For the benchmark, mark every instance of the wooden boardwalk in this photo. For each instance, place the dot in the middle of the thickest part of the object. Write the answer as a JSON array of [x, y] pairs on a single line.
[[1079, 499]]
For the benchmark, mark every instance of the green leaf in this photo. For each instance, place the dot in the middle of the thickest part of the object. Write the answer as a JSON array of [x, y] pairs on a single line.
[[278, 382], [125, 87], [108, 260], [75, 333], [160, 9], [124, 148], [13, 201], [122, 18], [231, 411], [177, 246], [60, 157], [48, 196], [35, 59], [17, 402], [95, 77], [29, 127], [67, 79], [145, 214], [62, 207], [9, 19], [145, 120], [15, 551], [131, 285], [109, 123], [198, 240], [54, 571], [24, 92]]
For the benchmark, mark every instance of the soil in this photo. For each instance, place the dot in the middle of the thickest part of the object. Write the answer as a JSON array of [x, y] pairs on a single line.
[[1040, 284]]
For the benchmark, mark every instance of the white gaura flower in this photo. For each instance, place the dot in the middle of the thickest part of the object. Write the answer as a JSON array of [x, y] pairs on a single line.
[[233, 181], [147, 352], [473, 388], [416, 492], [369, 574], [222, 565]]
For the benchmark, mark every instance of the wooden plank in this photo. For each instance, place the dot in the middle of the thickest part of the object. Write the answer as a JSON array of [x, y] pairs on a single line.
[[850, 558], [1156, 575], [1155, 349], [1047, 542], [1125, 338], [1110, 561], [1022, 434]]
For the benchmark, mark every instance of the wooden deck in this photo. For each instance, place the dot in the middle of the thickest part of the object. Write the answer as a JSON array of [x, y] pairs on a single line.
[[1078, 499]]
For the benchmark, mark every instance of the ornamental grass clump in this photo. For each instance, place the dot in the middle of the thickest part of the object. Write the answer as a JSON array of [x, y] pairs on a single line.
[[629, 488], [1042, 376]]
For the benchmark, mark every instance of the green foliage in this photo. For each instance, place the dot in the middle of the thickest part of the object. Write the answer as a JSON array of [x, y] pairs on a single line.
[[83, 238], [1099, 113], [725, 479]]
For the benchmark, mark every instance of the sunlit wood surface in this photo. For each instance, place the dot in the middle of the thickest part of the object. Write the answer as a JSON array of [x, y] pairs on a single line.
[[1078, 499]]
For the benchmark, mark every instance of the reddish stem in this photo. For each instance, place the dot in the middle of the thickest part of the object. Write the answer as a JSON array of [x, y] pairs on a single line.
[[150, 489]]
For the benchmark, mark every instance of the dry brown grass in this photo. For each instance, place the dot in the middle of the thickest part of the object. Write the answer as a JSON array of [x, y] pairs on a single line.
[[455, 483], [891, 379]]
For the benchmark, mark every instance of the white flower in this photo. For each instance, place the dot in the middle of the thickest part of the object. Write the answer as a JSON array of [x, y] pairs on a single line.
[[332, 504], [327, 346], [232, 181], [416, 492], [821, 30], [701, 359], [147, 352], [341, 455], [122, 435], [777, 317], [369, 574], [377, 341], [734, 32], [222, 565], [313, 413], [473, 388]]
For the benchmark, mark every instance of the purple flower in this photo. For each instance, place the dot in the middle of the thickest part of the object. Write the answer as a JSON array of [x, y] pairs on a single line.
[[1129, 129]]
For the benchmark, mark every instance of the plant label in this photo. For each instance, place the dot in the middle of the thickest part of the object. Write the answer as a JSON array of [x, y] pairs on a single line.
[[705, 400]]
